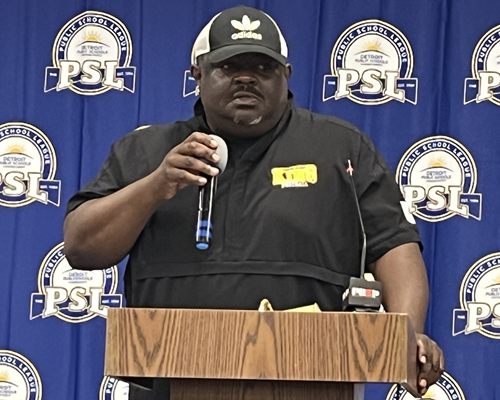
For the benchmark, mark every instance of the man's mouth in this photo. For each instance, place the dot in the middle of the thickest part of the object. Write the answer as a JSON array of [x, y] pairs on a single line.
[[246, 98]]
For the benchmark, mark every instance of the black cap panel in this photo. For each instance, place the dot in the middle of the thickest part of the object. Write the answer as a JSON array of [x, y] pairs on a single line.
[[232, 28], [240, 30]]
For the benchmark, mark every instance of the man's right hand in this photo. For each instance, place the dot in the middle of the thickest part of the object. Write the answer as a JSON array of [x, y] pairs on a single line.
[[184, 166], [102, 231]]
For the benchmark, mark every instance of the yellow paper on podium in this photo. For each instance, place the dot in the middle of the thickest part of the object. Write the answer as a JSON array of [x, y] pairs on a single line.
[[265, 305]]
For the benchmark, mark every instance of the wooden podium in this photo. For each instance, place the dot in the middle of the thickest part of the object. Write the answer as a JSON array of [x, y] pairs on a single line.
[[251, 355]]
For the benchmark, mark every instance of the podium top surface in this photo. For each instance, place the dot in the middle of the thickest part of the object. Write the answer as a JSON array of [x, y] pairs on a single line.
[[233, 344]]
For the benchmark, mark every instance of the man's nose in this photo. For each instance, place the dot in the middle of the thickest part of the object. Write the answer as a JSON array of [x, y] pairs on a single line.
[[246, 77]]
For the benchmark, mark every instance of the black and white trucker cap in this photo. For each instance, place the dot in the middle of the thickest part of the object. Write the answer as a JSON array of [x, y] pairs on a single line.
[[240, 30]]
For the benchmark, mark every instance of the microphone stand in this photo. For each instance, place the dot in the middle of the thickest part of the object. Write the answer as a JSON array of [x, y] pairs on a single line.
[[361, 295]]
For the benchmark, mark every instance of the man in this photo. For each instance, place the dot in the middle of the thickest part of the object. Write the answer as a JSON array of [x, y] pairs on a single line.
[[286, 226]]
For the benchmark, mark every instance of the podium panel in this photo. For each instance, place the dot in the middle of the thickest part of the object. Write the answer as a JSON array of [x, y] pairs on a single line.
[[208, 389]]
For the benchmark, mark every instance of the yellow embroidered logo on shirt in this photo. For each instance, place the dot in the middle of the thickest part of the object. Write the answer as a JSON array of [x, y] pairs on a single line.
[[295, 176]]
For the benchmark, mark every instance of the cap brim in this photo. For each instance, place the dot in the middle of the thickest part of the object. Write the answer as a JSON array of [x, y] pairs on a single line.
[[229, 51]]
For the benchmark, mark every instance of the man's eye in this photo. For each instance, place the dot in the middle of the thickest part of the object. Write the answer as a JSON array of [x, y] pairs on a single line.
[[266, 67]]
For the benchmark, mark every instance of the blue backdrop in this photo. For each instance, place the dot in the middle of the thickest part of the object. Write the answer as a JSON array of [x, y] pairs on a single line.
[[421, 78]]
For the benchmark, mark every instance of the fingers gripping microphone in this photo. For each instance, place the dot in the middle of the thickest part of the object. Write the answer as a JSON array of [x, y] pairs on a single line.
[[206, 196]]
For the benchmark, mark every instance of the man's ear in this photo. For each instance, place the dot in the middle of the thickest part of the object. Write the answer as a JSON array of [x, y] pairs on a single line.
[[288, 70], [196, 72]]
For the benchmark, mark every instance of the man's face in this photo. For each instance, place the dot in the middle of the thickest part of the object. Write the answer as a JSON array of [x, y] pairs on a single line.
[[244, 95]]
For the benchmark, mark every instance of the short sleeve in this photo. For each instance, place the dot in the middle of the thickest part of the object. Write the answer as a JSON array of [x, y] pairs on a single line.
[[131, 158], [108, 180], [381, 203]]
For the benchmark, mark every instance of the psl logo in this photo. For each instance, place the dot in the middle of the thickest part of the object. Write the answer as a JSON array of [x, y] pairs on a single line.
[[371, 64], [19, 379], [70, 294], [27, 166], [113, 389], [485, 70], [438, 177], [480, 299], [91, 55], [446, 388]]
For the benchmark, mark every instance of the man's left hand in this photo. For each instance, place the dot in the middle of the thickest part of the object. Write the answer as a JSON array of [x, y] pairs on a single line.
[[431, 362]]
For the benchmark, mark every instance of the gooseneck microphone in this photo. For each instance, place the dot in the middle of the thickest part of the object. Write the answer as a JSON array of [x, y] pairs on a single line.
[[361, 295], [206, 195], [349, 171]]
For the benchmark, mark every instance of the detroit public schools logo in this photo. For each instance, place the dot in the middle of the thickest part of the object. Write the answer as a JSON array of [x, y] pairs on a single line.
[[438, 177], [113, 389], [70, 294], [19, 379], [371, 64], [295, 176], [446, 388], [91, 55], [27, 166], [485, 81], [480, 299]]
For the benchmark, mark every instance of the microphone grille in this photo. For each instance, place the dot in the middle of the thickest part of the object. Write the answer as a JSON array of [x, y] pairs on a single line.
[[222, 152]]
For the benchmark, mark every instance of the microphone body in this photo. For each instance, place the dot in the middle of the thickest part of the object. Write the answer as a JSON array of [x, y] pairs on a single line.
[[361, 295], [206, 196]]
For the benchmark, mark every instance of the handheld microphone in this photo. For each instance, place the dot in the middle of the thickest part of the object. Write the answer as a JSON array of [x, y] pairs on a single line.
[[361, 295], [206, 195]]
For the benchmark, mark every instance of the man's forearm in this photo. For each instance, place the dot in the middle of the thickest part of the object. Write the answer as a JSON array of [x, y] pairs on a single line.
[[101, 232], [404, 282]]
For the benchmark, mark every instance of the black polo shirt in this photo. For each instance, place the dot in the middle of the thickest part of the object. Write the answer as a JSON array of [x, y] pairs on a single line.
[[286, 226]]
